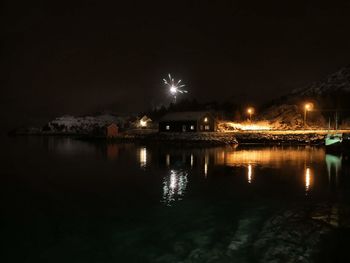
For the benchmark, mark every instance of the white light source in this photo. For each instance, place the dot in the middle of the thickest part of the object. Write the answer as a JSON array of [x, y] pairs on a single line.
[[143, 123], [173, 89], [174, 86]]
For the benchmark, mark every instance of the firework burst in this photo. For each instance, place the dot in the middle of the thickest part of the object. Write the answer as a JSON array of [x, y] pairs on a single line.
[[174, 86]]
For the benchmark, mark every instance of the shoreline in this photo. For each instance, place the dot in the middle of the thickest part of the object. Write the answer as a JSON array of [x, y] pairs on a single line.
[[288, 137]]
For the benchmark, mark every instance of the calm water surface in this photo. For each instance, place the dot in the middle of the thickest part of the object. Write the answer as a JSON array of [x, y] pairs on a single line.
[[65, 200]]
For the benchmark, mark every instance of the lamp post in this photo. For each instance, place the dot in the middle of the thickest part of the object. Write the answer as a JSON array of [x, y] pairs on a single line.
[[307, 107], [250, 111]]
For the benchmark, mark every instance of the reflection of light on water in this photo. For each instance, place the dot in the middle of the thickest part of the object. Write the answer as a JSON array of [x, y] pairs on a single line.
[[172, 181], [70, 147], [271, 156], [206, 161], [191, 160], [112, 151], [249, 173], [174, 186], [307, 180], [333, 161], [143, 157], [167, 159]]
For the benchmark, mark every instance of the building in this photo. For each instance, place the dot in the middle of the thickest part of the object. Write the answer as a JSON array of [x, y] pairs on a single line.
[[144, 122], [112, 130], [194, 121], [141, 123]]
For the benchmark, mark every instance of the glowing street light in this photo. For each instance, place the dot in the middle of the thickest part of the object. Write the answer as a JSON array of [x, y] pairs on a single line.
[[174, 86], [250, 111], [307, 107]]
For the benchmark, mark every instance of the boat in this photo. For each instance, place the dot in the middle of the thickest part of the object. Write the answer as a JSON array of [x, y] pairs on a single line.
[[336, 142]]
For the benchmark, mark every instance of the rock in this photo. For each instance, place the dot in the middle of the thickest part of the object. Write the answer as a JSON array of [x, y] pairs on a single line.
[[196, 254], [181, 248], [291, 236]]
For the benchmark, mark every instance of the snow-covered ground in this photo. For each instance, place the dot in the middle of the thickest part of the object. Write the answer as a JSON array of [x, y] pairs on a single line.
[[291, 117], [82, 125], [243, 126]]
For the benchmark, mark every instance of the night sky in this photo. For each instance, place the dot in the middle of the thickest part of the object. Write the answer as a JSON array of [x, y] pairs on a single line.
[[83, 56]]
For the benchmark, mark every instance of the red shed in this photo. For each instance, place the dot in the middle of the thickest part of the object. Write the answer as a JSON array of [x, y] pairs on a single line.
[[112, 130]]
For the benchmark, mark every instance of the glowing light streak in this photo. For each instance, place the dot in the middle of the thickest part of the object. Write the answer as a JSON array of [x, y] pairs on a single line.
[[250, 173], [206, 161], [143, 157], [174, 86], [245, 126], [167, 159], [307, 180]]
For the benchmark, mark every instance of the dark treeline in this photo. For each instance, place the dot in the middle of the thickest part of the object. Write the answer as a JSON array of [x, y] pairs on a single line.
[[226, 110]]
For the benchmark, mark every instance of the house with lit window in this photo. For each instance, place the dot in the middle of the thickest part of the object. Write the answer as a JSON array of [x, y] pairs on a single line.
[[189, 121], [144, 122]]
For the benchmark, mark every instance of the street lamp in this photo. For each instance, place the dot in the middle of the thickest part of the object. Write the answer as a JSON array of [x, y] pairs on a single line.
[[250, 111], [307, 107]]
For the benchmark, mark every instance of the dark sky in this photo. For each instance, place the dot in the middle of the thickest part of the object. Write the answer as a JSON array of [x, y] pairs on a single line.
[[82, 56]]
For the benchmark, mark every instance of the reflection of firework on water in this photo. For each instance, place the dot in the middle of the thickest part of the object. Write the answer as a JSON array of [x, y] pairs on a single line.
[[174, 186], [174, 86]]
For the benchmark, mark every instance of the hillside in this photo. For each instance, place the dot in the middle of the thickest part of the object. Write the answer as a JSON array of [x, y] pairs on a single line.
[[328, 96], [335, 82]]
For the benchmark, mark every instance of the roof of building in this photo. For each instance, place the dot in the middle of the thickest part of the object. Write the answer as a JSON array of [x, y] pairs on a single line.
[[145, 118], [184, 116], [111, 124]]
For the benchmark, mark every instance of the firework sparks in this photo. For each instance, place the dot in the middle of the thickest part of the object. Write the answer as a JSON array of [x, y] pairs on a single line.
[[174, 87]]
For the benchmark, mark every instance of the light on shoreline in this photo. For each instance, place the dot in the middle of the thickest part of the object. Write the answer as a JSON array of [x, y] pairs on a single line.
[[250, 112], [259, 126], [307, 107]]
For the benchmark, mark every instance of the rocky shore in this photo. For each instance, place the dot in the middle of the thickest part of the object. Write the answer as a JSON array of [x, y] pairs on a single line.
[[279, 138], [219, 138], [295, 234], [205, 138]]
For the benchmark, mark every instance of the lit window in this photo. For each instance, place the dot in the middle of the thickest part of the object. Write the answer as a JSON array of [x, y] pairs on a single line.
[[192, 127], [206, 127], [167, 127], [143, 123]]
